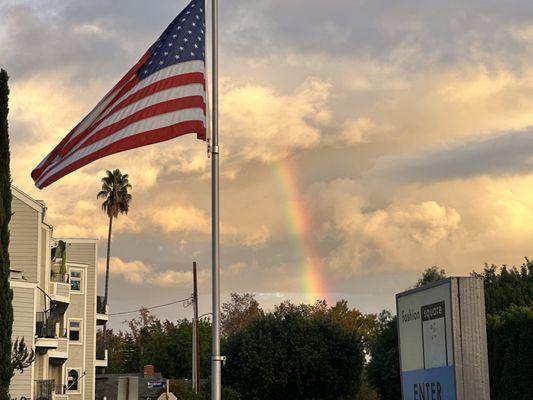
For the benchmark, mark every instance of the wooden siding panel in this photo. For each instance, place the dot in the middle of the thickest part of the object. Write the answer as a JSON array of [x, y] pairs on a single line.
[[23, 315], [23, 245], [85, 253]]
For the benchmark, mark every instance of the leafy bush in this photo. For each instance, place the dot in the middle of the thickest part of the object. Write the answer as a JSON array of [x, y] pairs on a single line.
[[291, 354], [510, 342]]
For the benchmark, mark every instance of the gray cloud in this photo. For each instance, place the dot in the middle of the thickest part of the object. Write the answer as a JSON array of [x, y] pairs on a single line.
[[505, 154], [430, 32], [101, 37], [89, 40]]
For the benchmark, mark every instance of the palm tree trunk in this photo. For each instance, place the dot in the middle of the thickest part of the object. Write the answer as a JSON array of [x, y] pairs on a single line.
[[107, 260]]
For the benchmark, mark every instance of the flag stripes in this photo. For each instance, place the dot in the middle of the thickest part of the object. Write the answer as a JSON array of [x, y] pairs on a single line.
[[160, 98]]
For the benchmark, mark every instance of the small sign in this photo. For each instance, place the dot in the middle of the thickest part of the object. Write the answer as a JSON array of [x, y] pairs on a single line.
[[167, 396], [157, 385]]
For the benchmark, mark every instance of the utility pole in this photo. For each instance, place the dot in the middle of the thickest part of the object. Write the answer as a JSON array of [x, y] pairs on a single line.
[[195, 334]]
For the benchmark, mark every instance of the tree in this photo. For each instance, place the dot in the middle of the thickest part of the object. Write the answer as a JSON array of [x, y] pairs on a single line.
[[115, 192], [355, 320], [511, 286], [6, 294], [430, 275], [294, 354], [21, 356], [239, 312], [510, 346], [164, 344], [383, 369]]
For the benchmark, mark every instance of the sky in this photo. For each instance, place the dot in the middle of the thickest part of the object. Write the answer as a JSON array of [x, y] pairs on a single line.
[[361, 142]]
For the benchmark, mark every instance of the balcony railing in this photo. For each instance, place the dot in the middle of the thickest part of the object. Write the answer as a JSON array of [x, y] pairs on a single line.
[[44, 389], [100, 307], [101, 347], [45, 324], [60, 278], [60, 388]]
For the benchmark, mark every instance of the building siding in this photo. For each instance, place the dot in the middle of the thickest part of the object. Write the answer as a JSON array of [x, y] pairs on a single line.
[[29, 249], [23, 327], [85, 253], [24, 232]]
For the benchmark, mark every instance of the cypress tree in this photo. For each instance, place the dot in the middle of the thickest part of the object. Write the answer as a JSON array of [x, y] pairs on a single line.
[[6, 295]]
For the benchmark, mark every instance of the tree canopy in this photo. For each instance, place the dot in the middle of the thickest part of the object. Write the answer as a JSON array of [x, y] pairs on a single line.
[[164, 344], [507, 286], [383, 369], [295, 352], [239, 312], [430, 275]]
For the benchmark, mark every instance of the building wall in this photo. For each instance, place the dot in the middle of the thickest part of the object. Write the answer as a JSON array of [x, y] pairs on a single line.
[[76, 310], [24, 231], [84, 252], [29, 249], [23, 327]]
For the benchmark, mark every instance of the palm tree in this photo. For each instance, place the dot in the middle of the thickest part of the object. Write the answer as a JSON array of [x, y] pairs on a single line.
[[115, 187]]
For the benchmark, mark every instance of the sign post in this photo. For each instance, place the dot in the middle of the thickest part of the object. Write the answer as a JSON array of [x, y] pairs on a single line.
[[443, 341]]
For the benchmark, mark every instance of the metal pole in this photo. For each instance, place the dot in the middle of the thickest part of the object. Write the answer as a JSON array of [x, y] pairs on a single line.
[[216, 361], [195, 336]]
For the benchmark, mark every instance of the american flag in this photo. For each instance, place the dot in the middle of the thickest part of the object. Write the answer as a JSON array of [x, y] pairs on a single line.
[[160, 98]]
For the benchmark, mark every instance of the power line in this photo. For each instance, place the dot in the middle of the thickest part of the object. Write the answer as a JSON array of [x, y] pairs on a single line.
[[151, 308]]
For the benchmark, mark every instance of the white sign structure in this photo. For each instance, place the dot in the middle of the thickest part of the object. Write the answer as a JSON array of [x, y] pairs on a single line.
[[443, 342]]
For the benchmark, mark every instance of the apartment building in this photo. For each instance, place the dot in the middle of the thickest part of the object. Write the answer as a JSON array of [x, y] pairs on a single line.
[[55, 305]]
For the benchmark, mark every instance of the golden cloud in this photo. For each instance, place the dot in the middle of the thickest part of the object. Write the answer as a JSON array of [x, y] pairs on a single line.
[[139, 273]]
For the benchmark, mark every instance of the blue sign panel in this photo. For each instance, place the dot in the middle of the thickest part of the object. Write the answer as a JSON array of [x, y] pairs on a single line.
[[429, 384]]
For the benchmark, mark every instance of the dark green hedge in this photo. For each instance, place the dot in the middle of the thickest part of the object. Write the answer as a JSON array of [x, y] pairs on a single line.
[[510, 341]]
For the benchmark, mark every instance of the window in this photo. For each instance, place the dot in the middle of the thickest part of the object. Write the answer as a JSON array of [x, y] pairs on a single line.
[[72, 380], [76, 280], [74, 331]]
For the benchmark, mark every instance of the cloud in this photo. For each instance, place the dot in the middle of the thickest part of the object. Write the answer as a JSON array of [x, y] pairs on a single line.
[[504, 154], [257, 238], [259, 124], [135, 272], [425, 224], [236, 268], [402, 234], [440, 33], [408, 129], [399, 235], [138, 273], [85, 219], [180, 219]]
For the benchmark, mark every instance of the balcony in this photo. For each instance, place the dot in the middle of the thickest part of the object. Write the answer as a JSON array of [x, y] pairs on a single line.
[[45, 331], [102, 312], [49, 390], [101, 353], [60, 391], [60, 354], [60, 291], [45, 389]]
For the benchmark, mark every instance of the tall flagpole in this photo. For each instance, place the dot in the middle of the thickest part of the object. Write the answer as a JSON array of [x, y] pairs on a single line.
[[216, 361]]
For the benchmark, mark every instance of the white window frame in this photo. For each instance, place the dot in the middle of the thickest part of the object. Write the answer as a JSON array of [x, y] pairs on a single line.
[[77, 391], [81, 331], [82, 280]]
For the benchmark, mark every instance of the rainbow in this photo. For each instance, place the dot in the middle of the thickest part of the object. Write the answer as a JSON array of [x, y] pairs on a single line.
[[299, 225]]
